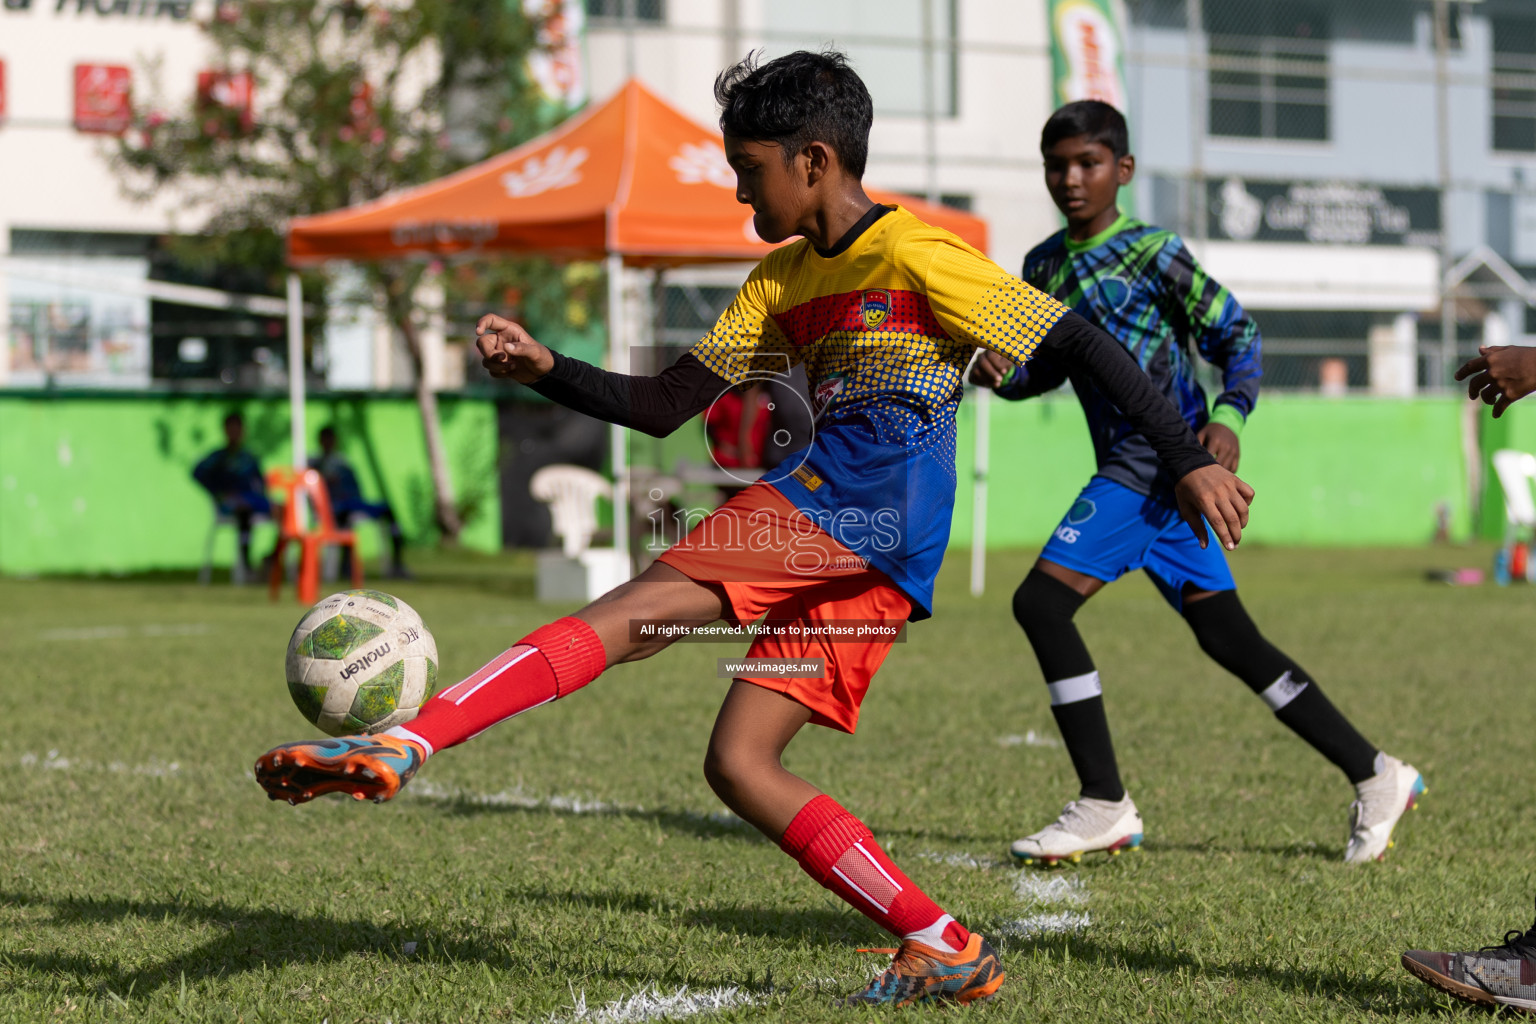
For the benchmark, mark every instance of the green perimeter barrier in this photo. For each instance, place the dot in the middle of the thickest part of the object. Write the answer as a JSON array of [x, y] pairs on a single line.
[[1328, 471], [102, 482]]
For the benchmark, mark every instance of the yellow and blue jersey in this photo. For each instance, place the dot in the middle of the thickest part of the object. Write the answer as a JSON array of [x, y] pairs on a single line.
[[884, 330]]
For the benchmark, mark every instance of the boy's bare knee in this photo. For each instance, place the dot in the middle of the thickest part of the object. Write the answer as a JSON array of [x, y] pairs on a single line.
[[731, 772]]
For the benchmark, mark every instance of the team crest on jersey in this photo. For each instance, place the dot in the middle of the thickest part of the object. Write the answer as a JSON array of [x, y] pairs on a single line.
[[825, 392], [875, 307]]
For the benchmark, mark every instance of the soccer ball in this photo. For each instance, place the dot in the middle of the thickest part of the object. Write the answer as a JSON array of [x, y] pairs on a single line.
[[361, 661]]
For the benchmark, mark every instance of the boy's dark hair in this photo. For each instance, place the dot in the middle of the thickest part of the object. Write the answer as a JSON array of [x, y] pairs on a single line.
[[234, 416], [326, 431], [797, 99], [1096, 119]]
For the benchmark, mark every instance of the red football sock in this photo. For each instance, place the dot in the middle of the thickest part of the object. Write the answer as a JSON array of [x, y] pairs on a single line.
[[840, 852], [553, 661]]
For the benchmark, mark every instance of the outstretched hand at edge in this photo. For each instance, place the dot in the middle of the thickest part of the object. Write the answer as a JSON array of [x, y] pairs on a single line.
[[509, 351], [1500, 375], [1217, 496]]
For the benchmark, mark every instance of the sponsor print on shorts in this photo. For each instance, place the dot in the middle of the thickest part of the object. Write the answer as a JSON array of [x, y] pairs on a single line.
[[1082, 510]]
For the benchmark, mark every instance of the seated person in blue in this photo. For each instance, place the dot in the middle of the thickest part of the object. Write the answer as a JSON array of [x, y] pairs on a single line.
[[232, 477], [347, 499]]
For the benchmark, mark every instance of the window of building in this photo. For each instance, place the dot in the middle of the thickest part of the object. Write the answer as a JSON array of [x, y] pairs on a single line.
[[1514, 83], [1268, 76], [884, 39], [627, 10]]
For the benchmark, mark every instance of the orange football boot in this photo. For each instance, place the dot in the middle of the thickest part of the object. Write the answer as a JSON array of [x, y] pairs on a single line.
[[368, 767], [919, 973]]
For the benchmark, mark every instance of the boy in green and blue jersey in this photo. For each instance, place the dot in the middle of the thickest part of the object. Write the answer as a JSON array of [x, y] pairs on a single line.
[[1141, 285]]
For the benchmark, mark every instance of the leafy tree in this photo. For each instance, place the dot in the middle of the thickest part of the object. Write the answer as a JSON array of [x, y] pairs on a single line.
[[352, 101]]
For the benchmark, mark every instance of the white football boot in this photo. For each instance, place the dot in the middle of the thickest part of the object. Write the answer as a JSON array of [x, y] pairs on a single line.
[[1382, 800], [1086, 825]]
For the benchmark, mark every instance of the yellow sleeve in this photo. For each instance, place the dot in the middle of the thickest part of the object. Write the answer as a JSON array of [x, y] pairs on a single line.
[[745, 340], [979, 302]]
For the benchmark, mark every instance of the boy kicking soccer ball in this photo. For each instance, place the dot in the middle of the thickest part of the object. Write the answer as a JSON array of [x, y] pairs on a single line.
[[1141, 285], [885, 312]]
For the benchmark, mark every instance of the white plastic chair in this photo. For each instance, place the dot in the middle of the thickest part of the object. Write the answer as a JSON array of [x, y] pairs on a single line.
[[236, 569], [1516, 471], [571, 492]]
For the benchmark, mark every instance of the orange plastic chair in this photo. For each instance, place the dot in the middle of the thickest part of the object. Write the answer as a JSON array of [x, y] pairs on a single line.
[[311, 531]]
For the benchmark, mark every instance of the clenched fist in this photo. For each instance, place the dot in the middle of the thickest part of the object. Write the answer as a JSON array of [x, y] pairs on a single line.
[[507, 350]]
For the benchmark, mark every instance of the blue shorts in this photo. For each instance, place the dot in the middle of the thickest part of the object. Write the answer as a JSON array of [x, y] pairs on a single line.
[[1111, 530], [245, 501]]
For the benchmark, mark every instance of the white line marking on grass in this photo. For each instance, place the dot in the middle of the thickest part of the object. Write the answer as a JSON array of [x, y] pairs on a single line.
[[1035, 925], [121, 632], [650, 1004], [516, 797], [1029, 739], [54, 762], [959, 860], [1035, 888]]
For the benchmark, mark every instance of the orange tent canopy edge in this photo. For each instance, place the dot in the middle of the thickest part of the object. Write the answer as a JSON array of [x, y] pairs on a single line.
[[632, 176]]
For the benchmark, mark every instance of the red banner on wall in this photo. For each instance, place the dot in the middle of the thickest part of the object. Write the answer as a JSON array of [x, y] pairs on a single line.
[[230, 92], [2, 90], [101, 98]]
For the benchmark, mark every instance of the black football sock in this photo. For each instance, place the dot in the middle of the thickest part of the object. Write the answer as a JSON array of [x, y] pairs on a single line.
[[1226, 633], [397, 541], [243, 528], [1044, 606]]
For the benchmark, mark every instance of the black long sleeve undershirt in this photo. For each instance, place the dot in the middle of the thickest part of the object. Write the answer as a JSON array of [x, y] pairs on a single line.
[[656, 405], [1074, 342], [659, 405]]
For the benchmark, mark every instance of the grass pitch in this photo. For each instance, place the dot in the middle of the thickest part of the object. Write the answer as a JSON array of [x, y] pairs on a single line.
[[572, 865]]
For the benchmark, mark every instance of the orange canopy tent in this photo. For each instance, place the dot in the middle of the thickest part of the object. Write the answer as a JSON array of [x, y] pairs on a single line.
[[630, 181], [632, 177]]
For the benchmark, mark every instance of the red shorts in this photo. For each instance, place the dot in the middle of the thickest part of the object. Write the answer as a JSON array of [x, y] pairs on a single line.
[[774, 561]]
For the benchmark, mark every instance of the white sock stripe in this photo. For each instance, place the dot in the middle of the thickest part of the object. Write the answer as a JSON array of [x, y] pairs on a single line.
[[855, 887], [876, 865], [1282, 691], [493, 675], [400, 732], [1070, 691]]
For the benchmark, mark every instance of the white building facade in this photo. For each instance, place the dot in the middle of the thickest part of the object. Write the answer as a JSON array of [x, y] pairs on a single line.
[[75, 247], [1334, 164]]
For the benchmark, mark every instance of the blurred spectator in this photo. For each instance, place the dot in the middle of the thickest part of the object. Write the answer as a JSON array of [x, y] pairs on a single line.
[[232, 477], [347, 501], [737, 426]]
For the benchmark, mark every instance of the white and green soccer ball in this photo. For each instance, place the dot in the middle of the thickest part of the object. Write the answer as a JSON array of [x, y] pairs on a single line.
[[361, 661]]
